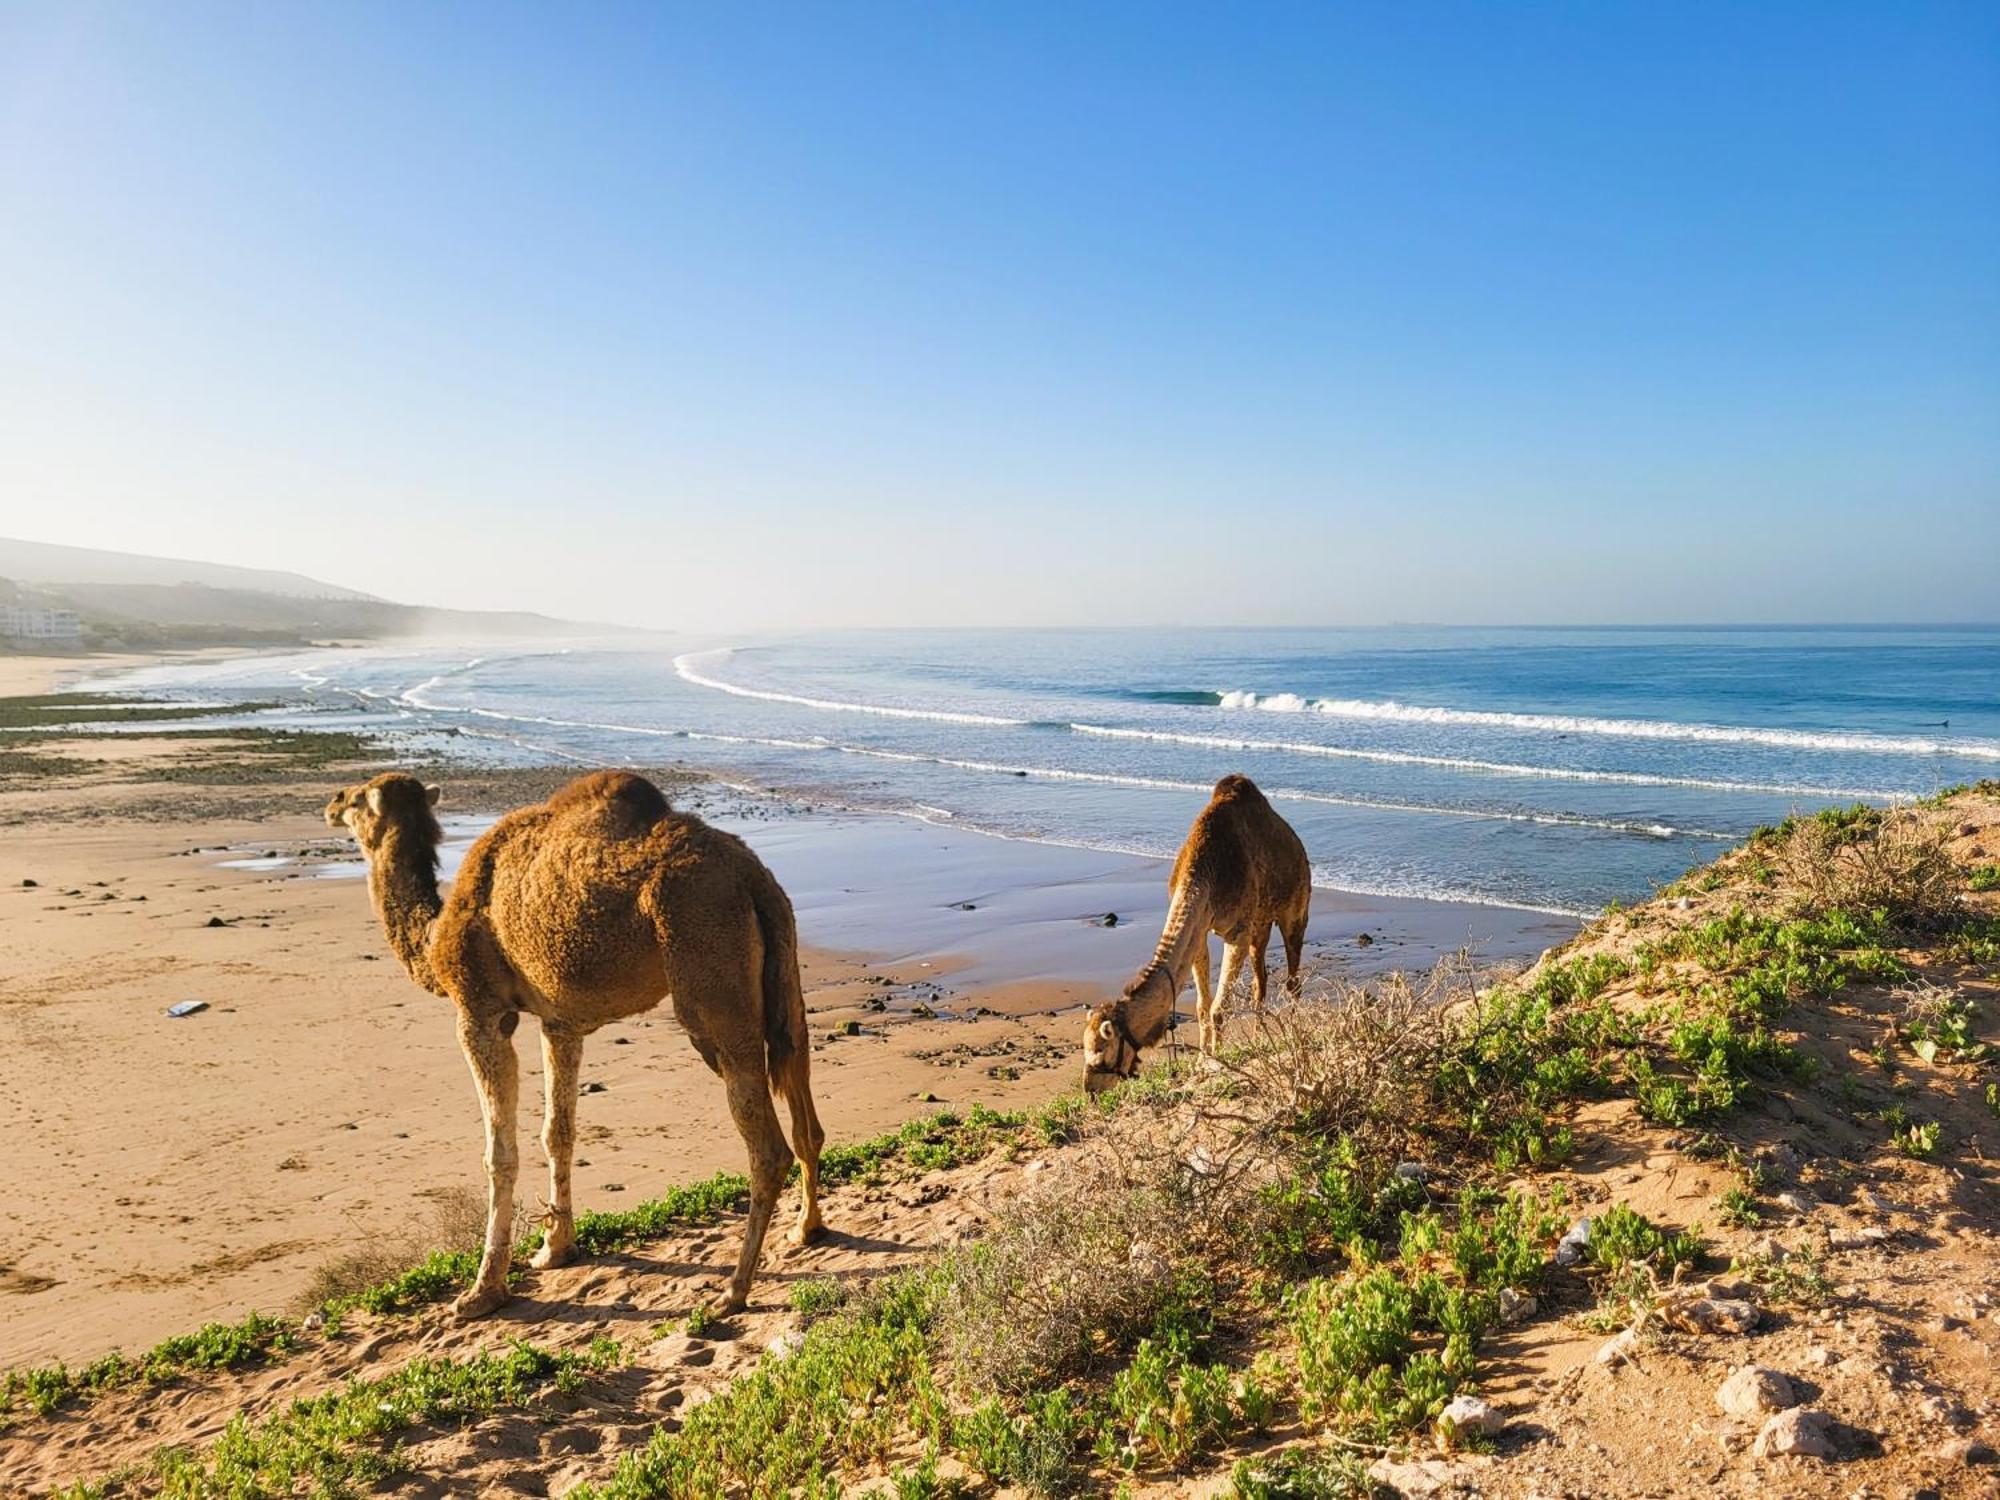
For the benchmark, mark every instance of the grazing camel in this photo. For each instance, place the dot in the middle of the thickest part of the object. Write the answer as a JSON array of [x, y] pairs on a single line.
[[1241, 871], [588, 908]]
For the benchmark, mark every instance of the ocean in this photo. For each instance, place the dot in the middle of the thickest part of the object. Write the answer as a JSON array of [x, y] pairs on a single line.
[[1556, 770]]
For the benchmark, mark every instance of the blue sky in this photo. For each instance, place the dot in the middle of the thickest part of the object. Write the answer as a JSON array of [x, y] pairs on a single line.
[[734, 315]]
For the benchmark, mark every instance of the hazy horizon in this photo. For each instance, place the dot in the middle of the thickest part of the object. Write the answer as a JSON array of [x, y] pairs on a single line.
[[776, 318]]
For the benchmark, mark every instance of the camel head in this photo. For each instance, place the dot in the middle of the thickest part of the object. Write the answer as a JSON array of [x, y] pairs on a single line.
[[391, 801], [1110, 1049]]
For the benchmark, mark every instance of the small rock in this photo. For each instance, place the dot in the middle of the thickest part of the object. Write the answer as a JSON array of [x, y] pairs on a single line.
[[1801, 1431], [1711, 1315], [1965, 1452], [29, 885], [1515, 1307], [1363, 940], [1410, 1171], [1780, 1158], [1621, 1350], [1856, 1239], [313, 1320], [1569, 1249], [1685, 903], [1755, 1391], [1468, 1415], [1769, 1249], [1874, 1200], [593, 1087], [215, 922], [1148, 1262], [1821, 1357], [1795, 1203], [1421, 1478], [1109, 919]]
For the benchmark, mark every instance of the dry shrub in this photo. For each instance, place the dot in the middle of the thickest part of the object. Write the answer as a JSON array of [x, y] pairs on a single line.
[[1349, 1059], [1076, 1264], [1162, 1196], [457, 1221], [1899, 864]]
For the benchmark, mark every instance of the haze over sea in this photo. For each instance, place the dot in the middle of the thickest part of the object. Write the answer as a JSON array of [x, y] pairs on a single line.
[[1558, 769]]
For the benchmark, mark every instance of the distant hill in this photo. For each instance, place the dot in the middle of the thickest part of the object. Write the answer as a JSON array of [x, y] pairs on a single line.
[[130, 600], [46, 563]]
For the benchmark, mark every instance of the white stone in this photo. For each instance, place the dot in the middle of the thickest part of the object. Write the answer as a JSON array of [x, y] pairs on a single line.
[[1468, 1415], [1569, 1249], [1800, 1431], [1515, 1306], [1755, 1391]]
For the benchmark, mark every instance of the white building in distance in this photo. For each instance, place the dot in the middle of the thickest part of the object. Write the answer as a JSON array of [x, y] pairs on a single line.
[[26, 622]]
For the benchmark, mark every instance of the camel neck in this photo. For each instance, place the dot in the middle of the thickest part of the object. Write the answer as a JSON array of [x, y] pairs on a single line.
[[1185, 932], [1148, 1003], [402, 882]]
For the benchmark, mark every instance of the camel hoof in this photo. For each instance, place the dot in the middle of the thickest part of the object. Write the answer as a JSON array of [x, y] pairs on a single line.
[[809, 1233], [477, 1303], [551, 1255]]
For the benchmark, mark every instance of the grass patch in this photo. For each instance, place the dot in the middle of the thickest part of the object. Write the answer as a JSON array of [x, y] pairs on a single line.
[[339, 1442]]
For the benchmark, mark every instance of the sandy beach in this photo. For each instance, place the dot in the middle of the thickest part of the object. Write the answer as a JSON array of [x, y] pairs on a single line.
[[165, 1172]]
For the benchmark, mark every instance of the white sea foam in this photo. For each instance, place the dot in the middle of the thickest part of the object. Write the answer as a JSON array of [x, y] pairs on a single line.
[[684, 667], [1496, 767], [1107, 778], [1391, 711]]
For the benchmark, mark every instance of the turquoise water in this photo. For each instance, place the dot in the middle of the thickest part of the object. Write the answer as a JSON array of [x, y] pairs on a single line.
[[1555, 769]]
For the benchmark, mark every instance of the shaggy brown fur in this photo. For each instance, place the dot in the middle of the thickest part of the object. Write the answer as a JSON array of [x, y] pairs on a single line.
[[1241, 872], [591, 907]]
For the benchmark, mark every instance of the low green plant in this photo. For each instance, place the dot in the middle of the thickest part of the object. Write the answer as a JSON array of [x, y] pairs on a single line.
[[1301, 1474], [1984, 878], [1737, 1207], [816, 1296], [1170, 1406], [838, 1404], [342, 1440], [1918, 1140]]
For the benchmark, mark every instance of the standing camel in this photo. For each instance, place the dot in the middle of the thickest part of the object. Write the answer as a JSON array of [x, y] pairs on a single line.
[[1241, 872], [585, 909]]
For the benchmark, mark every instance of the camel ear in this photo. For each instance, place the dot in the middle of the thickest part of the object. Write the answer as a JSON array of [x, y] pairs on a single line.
[[1104, 1030], [432, 793], [375, 799]]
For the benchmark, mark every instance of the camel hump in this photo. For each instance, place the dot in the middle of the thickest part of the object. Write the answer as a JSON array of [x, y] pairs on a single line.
[[624, 805], [1237, 788]]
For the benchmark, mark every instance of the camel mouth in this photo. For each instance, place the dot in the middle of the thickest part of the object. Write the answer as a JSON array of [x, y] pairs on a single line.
[[1097, 1080]]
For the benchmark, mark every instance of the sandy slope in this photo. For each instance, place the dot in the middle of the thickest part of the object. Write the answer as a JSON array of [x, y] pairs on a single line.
[[167, 1172]]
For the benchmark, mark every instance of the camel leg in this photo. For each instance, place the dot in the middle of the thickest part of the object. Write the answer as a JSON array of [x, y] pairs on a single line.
[[488, 1044], [1260, 974], [1204, 996], [795, 1083], [562, 1055], [1232, 962], [1294, 933], [757, 1122]]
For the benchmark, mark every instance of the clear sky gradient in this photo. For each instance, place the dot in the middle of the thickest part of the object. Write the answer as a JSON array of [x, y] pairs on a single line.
[[735, 314]]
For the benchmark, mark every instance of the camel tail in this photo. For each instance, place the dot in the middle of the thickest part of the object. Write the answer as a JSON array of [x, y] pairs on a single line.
[[786, 1053]]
